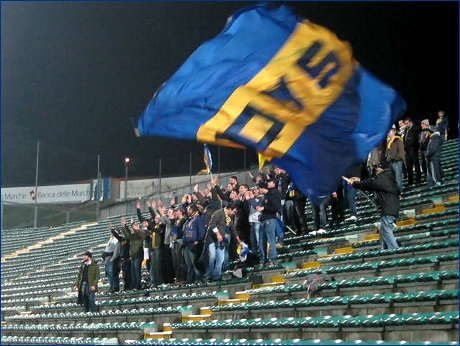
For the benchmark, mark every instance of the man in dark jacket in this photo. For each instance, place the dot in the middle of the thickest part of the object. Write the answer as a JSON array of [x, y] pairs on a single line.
[[220, 225], [125, 257], [269, 209], [193, 240], [136, 237], [411, 136], [86, 283], [386, 193]]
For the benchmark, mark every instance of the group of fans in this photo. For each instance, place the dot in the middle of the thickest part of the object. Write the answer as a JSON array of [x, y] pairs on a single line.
[[215, 229], [201, 237]]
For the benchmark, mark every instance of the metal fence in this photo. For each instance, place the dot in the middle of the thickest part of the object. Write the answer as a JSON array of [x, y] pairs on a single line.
[[15, 215]]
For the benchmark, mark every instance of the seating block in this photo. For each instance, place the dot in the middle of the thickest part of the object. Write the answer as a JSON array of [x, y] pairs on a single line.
[[407, 222], [436, 209]]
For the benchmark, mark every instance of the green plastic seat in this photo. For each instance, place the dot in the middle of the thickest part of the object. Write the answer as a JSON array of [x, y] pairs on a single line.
[[329, 321], [447, 294], [383, 280], [308, 322], [448, 275], [361, 282], [401, 297], [379, 298], [439, 317]]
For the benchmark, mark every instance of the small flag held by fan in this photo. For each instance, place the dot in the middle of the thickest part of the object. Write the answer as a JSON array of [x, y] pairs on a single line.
[[207, 158]]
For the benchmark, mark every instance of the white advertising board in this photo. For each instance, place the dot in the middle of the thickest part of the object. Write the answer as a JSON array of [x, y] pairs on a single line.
[[75, 193]]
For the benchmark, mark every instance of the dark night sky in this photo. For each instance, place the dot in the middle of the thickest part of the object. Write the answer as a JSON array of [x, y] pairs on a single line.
[[75, 73]]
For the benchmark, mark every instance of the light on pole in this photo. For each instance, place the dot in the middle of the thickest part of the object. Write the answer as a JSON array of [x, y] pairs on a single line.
[[126, 184]]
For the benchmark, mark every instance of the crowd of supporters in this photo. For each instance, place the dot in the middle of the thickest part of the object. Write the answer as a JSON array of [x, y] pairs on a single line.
[[213, 230]]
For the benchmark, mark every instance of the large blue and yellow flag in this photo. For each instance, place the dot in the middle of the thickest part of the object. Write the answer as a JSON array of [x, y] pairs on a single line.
[[283, 86]]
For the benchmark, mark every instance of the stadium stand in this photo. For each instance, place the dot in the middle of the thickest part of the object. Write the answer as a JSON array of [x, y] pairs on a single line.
[[404, 296]]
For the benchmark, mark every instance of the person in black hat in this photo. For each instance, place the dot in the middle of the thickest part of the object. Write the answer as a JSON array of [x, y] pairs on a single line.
[[386, 192], [86, 283]]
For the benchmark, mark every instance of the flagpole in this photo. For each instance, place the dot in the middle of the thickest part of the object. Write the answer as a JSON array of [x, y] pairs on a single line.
[[190, 169], [36, 184], [98, 186], [218, 162], [159, 179], [360, 192]]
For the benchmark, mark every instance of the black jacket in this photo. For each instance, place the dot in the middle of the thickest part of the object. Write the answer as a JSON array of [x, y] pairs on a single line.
[[386, 192], [411, 137], [271, 204]]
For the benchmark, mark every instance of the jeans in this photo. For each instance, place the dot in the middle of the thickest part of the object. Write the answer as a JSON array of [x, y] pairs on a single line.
[[412, 163], [88, 298], [387, 238], [216, 253], [397, 167], [319, 215], [126, 268], [423, 165], [255, 237], [193, 274], [226, 264], [112, 270], [434, 173], [156, 267], [279, 231], [351, 199], [178, 263], [267, 236], [289, 215], [136, 264]]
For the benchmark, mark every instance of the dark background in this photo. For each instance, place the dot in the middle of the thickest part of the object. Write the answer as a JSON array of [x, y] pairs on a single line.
[[75, 75]]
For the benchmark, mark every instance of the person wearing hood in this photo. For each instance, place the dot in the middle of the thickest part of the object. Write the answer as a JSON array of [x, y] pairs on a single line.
[[433, 159]]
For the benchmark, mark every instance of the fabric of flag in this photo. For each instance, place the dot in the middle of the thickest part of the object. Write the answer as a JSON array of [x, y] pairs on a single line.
[[283, 86], [207, 158]]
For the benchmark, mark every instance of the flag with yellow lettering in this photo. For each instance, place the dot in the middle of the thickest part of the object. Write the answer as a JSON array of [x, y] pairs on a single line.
[[283, 86]]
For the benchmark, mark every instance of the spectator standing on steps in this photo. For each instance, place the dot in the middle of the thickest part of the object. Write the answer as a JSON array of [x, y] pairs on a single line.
[[270, 207], [411, 137], [136, 237], [386, 192], [125, 258], [442, 125], [395, 154], [111, 256], [86, 283]]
